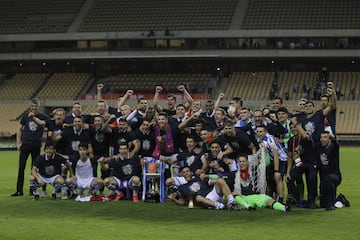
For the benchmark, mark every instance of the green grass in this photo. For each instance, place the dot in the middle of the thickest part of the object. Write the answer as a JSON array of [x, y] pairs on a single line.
[[22, 218]]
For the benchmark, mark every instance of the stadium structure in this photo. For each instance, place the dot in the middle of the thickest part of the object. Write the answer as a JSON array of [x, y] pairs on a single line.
[[58, 50]]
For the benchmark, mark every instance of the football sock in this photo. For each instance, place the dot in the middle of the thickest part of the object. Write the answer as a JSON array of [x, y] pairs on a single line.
[[112, 187], [231, 199], [34, 188], [136, 189], [57, 187], [219, 205]]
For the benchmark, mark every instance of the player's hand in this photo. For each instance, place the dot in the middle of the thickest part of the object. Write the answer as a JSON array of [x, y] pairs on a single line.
[[129, 92], [158, 89], [288, 177], [31, 115], [221, 95], [181, 88], [100, 86], [101, 160]]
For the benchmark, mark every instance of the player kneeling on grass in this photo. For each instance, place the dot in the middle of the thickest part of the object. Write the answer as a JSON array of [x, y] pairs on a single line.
[[47, 170], [125, 174], [204, 191], [84, 175]]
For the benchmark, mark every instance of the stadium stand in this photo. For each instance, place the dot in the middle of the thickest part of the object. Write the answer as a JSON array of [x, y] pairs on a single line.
[[11, 112], [21, 86], [38, 16], [138, 15], [294, 14], [246, 84], [63, 86], [146, 82]]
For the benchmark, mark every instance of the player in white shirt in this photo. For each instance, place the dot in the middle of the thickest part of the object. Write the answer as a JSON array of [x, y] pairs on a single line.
[[276, 169], [83, 178]]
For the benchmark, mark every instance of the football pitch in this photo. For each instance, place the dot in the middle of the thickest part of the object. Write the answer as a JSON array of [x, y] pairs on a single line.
[[22, 218]]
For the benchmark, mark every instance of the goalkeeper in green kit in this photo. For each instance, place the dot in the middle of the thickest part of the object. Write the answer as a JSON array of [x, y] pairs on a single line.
[[248, 195]]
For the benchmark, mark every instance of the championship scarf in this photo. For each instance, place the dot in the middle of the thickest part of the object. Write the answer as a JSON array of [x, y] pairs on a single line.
[[169, 143]]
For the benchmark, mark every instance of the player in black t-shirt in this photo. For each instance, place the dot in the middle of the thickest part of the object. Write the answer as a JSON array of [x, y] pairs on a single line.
[[46, 170], [125, 174], [301, 159], [28, 141], [328, 157]]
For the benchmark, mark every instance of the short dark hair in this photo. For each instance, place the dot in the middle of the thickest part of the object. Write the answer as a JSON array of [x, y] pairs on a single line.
[[278, 97], [49, 143], [35, 101], [163, 114], [83, 145], [283, 109]]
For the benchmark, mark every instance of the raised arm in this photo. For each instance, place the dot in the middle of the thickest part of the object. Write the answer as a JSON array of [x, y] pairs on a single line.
[[332, 99], [189, 99], [218, 100], [123, 99], [100, 86], [156, 105]]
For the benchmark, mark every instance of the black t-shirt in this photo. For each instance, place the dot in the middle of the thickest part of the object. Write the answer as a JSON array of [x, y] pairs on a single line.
[[240, 143], [190, 159], [120, 137], [210, 121], [170, 113], [196, 186], [100, 141], [57, 129], [328, 159], [32, 133], [72, 140], [147, 142], [313, 125], [304, 148], [178, 134], [49, 167], [124, 169]]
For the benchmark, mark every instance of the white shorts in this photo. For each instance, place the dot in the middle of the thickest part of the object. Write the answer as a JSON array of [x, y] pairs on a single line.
[[49, 180], [124, 184], [84, 183], [214, 196]]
